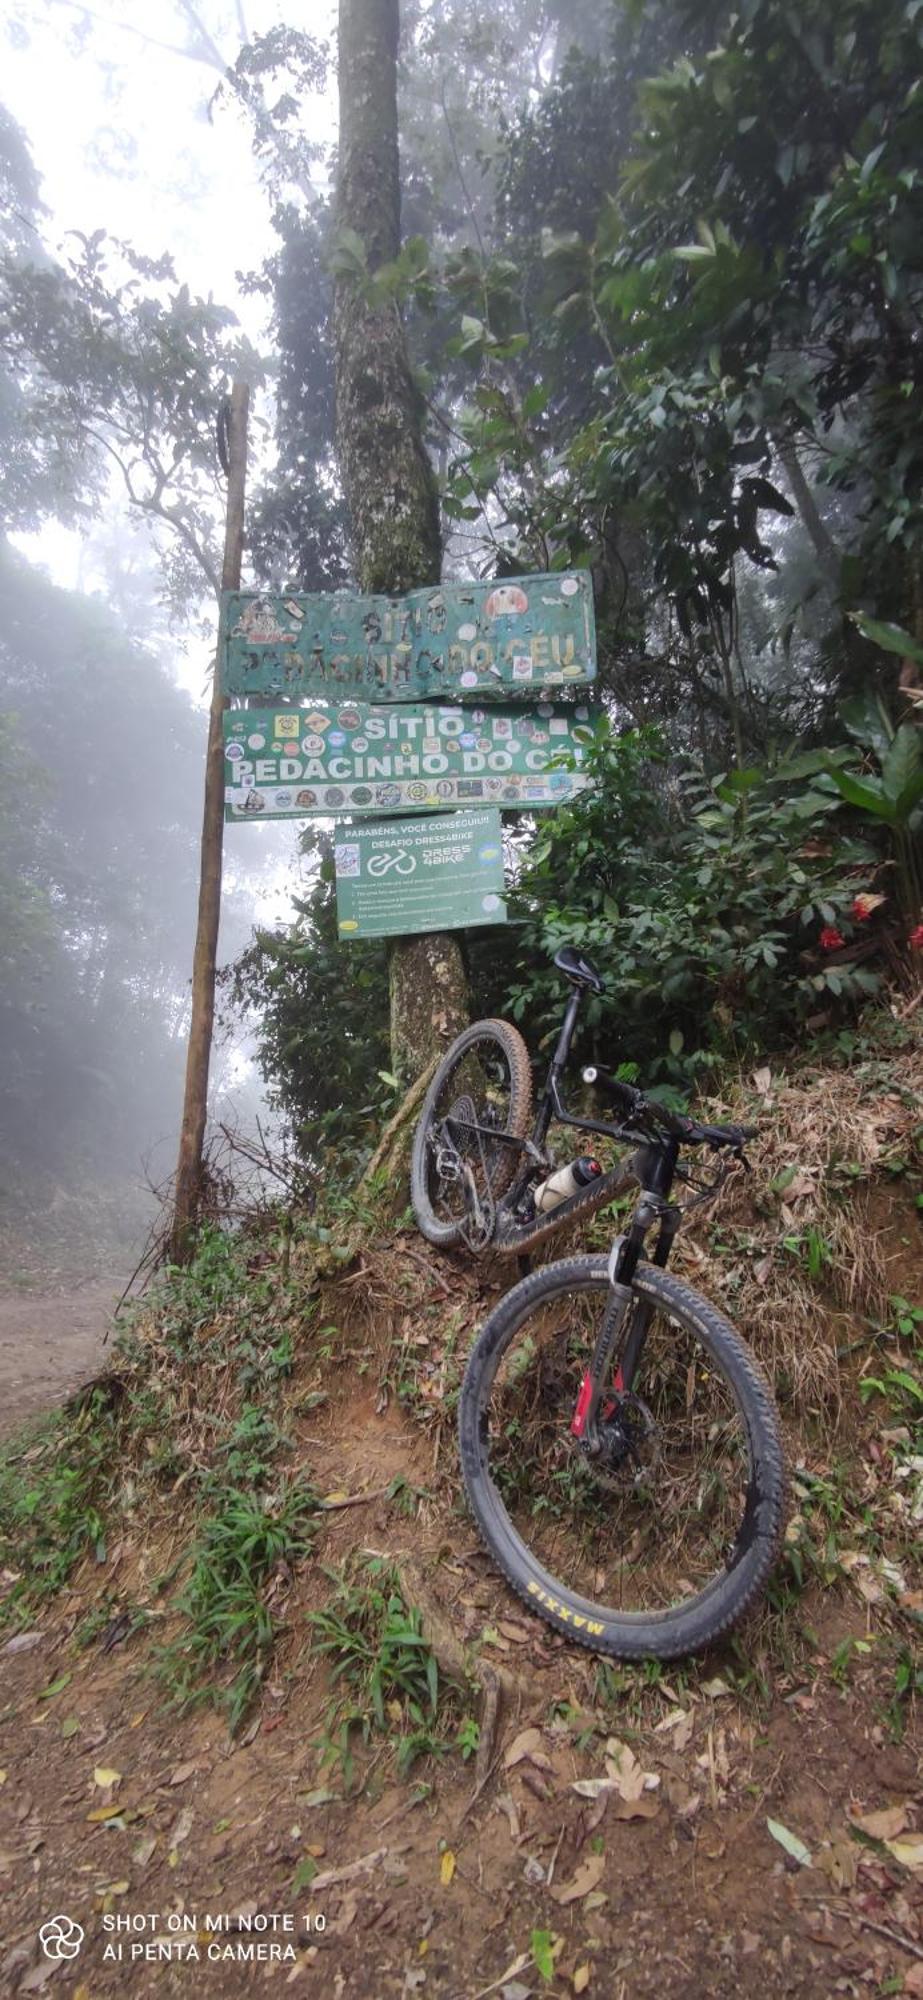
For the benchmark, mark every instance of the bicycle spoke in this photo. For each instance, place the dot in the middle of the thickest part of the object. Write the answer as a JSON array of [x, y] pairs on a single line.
[[651, 1520], [474, 1100]]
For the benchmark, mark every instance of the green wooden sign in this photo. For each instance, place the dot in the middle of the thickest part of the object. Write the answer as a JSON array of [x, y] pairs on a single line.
[[297, 763], [398, 877], [454, 641]]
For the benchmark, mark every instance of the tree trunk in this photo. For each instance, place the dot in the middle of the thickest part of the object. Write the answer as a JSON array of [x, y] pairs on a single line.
[[387, 478], [198, 1057], [823, 543]]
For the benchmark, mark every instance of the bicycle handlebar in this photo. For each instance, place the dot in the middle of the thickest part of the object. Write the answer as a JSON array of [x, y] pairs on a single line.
[[636, 1105]]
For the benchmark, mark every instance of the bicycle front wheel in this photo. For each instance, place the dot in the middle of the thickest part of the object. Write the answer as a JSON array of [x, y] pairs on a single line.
[[657, 1545], [483, 1086]]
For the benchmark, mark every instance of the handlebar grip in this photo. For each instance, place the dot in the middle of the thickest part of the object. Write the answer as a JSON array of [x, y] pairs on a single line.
[[726, 1135], [626, 1093]]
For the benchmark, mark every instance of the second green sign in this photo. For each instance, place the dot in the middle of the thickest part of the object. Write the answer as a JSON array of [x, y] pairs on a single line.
[[295, 763]]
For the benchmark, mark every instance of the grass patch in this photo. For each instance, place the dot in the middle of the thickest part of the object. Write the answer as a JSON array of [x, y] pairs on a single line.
[[385, 1671], [55, 1484], [246, 1544]]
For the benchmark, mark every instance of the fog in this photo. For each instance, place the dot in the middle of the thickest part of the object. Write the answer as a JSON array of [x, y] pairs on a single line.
[[149, 173], [107, 635]]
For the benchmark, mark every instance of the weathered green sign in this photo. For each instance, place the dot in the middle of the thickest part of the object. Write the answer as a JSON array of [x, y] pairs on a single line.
[[453, 641], [297, 763], [396, 877]]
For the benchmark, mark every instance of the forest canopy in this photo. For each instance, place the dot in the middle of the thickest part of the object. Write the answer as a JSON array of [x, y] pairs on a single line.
[[664, 310], [660, 276]]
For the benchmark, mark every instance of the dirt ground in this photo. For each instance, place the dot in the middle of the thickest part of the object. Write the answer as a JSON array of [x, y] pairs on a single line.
[[750, 1822], [147, 1829], [50, 1342]]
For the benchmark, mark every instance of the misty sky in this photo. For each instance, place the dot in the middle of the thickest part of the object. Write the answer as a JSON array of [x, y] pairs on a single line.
[[123, 137]]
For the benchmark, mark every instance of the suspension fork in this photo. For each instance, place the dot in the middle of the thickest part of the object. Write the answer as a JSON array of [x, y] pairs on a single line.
[[622, 1297], [641, 1317]]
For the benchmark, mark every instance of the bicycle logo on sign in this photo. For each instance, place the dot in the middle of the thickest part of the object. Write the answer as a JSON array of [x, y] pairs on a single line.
[[401, 862]]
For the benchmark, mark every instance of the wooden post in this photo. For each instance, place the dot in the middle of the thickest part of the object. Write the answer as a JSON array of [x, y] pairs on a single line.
[[195, 1101]]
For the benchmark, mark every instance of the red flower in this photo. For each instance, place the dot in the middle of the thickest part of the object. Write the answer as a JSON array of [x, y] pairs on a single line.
[[915, 939], [831, 940], [864, 906]]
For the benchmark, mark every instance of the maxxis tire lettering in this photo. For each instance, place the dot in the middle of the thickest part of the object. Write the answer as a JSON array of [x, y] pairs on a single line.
[[663, 1635]]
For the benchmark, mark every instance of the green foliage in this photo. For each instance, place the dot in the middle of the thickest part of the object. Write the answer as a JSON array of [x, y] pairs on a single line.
[[891, 796], [377, 1651], [694, 340], [191, 1410], [542, 1947], [245, 1542], [703, 902], [118, 362], [54, 1490], [321, 1017]]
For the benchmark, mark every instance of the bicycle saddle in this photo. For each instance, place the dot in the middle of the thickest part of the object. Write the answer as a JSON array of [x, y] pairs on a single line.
[[579, 970]]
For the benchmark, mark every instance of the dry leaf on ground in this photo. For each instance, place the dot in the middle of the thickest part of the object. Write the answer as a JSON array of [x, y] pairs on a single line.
[[582, 1881], [105, 1777], [908, 1851], [527, 1744], [883, 1825]]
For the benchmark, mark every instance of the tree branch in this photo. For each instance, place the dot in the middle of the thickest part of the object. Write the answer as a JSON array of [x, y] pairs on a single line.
[[128, 28]]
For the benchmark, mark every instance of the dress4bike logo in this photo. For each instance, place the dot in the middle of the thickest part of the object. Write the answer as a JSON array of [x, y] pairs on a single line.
[[61, 1937], [402, 863]]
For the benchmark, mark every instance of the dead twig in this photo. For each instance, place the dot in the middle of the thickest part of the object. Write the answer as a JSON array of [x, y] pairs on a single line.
[[896, 1937], [353, 1500], [435, 1277]]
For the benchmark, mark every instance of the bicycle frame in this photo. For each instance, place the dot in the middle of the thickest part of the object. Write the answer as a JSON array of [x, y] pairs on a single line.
[[653, 1166]]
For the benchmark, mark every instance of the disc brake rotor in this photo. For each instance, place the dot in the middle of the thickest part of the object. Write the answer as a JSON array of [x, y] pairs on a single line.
[[629, 1444]]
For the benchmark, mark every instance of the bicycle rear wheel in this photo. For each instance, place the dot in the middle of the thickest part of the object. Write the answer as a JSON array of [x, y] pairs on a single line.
[[659, 1545], [483, 1085]]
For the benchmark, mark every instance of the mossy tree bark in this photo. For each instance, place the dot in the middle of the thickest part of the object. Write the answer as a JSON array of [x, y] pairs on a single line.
[[387, 478]]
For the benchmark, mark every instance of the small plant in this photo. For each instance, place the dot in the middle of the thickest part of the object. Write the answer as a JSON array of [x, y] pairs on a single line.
[[194, 1294], [250, 1448], [106, 1615], [841, 1659], [53, 1494], [241, 1546], [380, 1656], [468, 1737], [902, 1391], [906, 1320], [907, 1686], [813, 1250]]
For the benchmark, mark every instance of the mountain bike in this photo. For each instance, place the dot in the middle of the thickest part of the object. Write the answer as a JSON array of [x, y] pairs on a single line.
[[620, 1447]]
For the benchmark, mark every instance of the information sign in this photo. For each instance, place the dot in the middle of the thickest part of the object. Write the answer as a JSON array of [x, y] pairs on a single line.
[[398, 877], [297, 763], [454, 641]]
